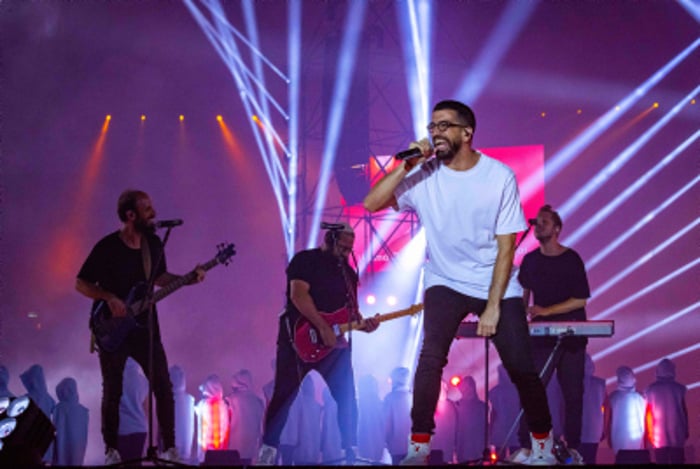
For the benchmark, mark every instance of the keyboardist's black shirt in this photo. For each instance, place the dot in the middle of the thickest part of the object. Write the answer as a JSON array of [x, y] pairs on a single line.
[[555, 279]]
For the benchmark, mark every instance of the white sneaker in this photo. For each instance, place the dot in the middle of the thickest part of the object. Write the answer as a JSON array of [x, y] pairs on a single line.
[[267, 456], [112, 456], [576, 458], [171, 454], [417, 454], [520, 456], [542, 451]]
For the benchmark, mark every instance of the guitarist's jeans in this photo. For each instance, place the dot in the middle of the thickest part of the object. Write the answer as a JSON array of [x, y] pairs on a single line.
[[112, 366], [443, 312], [336, 370]]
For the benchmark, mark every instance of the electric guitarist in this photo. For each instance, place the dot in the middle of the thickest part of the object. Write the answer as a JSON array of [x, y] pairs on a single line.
[[319, 281], [117, 263]]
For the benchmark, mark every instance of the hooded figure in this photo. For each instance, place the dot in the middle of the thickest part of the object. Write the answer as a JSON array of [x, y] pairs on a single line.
[[184, 413], [331, 445], [625, 413], [471, 419], [302, 432], [370, 438], [4, 380], [71, 421], [593, 423], [35, 384], [247, 411], [133, 423], [397, 414], [213, 417], [667, 415], [505, 406], [445, 426]]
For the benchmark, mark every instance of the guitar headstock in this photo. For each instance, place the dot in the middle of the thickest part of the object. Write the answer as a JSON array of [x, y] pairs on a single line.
[[225, 253]]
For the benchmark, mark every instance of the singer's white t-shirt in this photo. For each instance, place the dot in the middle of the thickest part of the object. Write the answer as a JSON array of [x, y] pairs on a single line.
[[462, 212]]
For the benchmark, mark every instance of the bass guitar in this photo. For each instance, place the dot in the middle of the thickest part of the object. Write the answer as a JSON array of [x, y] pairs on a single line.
[[307, 339], [111, 331]]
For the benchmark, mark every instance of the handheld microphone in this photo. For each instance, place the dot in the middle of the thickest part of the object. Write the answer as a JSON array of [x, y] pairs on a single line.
[[532, 221], [408, 154], [167, 223]]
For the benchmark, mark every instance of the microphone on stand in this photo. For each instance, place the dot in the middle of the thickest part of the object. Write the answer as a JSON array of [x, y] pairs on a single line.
[[332, 226], [167, 223]]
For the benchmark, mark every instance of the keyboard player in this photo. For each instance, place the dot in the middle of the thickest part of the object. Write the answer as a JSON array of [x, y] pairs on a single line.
[[555, 288]]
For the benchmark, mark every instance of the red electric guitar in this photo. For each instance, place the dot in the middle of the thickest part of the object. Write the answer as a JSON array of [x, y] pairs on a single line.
[[308, 342]]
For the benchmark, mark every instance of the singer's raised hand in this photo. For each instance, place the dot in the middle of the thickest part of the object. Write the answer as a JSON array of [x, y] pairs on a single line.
[[426, 150]]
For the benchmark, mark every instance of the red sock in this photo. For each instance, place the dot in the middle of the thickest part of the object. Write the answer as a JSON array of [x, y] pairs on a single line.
[[540, 436], [420, 437]]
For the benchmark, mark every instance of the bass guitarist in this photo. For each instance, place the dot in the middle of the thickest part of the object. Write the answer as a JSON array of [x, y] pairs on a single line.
[[319, 281], [116, 265]]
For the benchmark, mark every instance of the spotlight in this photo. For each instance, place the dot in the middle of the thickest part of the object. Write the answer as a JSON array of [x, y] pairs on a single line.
[[219, 118], [25, 432], [455, 380], [371, 299], [182, 118], [391, 300], [143, 117]]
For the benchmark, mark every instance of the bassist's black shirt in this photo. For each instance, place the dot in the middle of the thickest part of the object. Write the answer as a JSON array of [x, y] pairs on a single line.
[[117, 268]]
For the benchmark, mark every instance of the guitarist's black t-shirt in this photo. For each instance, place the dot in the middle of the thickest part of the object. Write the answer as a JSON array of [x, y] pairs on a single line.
[[118, 268], [321, 270]]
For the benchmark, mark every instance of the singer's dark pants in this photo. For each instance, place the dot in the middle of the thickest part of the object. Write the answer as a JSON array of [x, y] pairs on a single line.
[[444, 309], [336, 370], [112, 366]]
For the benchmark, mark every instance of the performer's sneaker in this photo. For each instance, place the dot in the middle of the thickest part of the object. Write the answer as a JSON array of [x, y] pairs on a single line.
[[542, 451], [267, 456], [576, 458], [520, 456], [418, 451], [171, 454], [112, 456]]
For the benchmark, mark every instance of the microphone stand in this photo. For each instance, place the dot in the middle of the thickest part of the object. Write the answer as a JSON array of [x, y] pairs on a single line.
[[522, 238], [151, 451]]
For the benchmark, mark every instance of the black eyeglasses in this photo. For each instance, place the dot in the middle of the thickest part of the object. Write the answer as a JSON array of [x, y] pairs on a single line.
[[443, 126]]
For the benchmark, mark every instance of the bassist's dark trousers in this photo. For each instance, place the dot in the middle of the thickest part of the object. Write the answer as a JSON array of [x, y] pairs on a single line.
[[112, 365], [336, 369]]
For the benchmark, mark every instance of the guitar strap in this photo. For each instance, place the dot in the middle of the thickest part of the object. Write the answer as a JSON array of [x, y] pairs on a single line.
[[146, 256]]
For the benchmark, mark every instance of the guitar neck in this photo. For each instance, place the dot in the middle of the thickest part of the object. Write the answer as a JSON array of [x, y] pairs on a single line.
[[382, 317], [182, 281]]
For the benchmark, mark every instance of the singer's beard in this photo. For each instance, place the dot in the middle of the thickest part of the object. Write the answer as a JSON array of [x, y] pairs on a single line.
[[543, 238], [144, 226], [449, 154]]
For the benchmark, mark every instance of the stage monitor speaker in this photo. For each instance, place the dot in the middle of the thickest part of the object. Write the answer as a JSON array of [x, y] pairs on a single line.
[[222, 457], [633, 456], [25, 432]]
